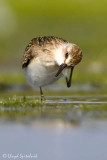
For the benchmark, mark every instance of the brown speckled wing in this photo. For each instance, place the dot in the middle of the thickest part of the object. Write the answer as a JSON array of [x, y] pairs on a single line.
[[39, 42], [28, 56]]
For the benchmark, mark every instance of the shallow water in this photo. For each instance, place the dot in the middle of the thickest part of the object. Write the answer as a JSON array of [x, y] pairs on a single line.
[[74, 128], [54, 139], [88, 99]]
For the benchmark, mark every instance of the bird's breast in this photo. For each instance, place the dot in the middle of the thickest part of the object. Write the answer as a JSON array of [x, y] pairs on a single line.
[[40, 74]]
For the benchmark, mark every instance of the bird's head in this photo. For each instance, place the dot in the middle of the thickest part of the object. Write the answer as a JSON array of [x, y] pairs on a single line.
[[70, 56]]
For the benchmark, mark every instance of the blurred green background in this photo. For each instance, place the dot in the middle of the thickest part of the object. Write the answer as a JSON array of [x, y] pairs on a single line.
[[83, 22]]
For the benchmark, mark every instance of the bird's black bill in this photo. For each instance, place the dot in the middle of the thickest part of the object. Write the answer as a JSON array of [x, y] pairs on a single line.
[[70, 78], [61, 67]]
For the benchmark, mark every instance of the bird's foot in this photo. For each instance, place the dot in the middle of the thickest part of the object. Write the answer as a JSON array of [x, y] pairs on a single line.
[[42, 98]]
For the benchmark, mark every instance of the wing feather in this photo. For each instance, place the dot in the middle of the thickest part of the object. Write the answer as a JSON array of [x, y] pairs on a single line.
[[39, 42]]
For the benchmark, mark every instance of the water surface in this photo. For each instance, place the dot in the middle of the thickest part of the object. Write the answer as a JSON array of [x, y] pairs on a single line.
[[65, 130]]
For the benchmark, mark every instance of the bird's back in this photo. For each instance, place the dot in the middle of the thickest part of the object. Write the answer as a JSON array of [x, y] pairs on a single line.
[[40, 43]]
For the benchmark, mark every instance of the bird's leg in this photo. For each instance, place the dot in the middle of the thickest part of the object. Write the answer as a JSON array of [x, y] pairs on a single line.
[[69, 81], [42, 95]]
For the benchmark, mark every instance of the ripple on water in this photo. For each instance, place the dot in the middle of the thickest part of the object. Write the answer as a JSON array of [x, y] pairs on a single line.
[[78, 99]]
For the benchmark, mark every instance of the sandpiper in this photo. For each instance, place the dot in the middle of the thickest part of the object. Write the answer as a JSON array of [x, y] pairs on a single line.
[[48, 58]]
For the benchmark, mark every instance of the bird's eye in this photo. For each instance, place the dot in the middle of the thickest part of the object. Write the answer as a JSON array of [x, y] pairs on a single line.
[[66, 55]]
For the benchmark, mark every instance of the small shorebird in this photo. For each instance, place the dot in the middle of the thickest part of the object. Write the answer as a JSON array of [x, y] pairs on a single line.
[[46, 59]]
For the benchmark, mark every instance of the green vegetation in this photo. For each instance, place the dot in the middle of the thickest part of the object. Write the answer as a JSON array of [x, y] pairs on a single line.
[[31, 106], [28, 101], [19, 101]]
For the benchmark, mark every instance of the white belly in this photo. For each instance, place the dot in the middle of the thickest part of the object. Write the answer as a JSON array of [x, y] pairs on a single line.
[[38, 75]]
